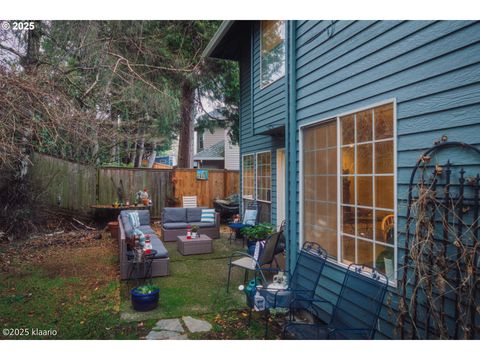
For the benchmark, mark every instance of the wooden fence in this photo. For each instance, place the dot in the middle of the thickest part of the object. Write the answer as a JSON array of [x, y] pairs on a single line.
[[220, 183], [157, 182], [67, 185], [74, 187]]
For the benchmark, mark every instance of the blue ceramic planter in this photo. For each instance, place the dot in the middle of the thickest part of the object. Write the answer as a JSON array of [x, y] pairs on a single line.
[[144, 302]]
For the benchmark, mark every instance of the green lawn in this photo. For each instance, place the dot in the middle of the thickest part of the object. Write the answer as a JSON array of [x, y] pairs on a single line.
[[74, 289]]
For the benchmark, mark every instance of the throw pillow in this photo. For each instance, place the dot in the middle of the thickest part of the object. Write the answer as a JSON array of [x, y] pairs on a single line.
[[208, 215], [134, 219], [141, 236]]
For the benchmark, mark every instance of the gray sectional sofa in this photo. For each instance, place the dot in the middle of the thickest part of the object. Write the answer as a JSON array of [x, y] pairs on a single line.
[[175, 221], [161, 259]]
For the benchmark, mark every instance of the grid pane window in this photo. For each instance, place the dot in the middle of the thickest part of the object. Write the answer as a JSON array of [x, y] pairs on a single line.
[[365, 198], [264, 176], [248, 179], [320, 185]]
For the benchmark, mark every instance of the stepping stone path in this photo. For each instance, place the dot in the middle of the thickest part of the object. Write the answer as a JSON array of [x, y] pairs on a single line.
[[172, 329], [195, 325]]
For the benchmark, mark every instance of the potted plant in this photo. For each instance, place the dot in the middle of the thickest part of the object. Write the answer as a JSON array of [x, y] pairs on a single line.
[[194, 231], [256, 233], [145, 297]]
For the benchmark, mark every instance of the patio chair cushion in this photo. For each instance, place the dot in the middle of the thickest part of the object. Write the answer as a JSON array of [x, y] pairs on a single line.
[[175, 225], [194, 214], [201, 224], [208, 215], [250, 217], [174, 215]]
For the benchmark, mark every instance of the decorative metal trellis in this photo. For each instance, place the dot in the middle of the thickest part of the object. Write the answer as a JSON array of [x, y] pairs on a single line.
[[440, 285]]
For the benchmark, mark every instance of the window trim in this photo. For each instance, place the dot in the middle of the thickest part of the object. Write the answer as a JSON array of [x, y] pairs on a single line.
[[336, 117], [256, 172], [254, 175], [264, 86]]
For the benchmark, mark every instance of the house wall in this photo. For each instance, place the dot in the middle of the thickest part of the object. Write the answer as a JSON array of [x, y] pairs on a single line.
[[232, 154], [210, 139], [430, 68], [268, 98]]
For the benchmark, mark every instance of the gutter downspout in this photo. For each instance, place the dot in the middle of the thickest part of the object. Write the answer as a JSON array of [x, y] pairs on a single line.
[[291, 148]]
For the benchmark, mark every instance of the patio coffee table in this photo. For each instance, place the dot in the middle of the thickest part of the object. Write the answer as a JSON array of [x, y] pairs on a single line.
[[202, 244]]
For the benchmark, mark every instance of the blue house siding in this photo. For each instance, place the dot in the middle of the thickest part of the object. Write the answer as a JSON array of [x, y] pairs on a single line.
[[269, 103], [431, 69], [264, 109]]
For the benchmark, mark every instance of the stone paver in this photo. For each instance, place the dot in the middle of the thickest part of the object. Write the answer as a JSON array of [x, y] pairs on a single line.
[[165, 335], [169, 325], [196, 325]]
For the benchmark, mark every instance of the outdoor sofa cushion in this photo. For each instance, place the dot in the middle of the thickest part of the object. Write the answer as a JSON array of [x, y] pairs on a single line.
[[144, 217], [201, 224], [174, 215], [194, 214], [146, 230], [158, 246], [175, 225]]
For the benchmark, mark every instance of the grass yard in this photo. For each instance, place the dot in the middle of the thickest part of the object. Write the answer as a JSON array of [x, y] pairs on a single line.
[[69, 284]]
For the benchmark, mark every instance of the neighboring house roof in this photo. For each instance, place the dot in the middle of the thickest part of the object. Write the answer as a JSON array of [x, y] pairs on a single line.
[[214, 152]]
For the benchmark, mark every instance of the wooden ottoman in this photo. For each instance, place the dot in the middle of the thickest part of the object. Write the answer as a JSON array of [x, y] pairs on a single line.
[[202, 244]]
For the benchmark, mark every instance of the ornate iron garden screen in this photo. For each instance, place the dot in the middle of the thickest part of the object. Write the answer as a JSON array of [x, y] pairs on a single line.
[[439, 280]]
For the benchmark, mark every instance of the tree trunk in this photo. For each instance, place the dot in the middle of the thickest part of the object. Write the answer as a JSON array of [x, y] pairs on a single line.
[[153, 155], [31, 59], [140, 149], [186, 126]]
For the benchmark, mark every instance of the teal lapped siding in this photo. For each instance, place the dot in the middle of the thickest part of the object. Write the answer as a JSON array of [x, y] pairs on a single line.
[[431, 69], [264, 108], [269, 103]]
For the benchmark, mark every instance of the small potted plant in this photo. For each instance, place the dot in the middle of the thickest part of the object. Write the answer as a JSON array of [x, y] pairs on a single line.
[[194, 231], [145, 297], [256, 233]]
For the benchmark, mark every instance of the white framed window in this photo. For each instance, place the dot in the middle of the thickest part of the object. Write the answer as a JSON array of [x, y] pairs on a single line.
[[264, 176], [272, 51], [348, 187], [248, 176]]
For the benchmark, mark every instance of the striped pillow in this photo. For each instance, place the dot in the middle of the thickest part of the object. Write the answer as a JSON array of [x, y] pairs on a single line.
[[208, 215], [134, 219]]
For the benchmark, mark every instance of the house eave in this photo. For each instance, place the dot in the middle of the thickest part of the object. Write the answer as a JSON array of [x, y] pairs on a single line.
[[217, 38]]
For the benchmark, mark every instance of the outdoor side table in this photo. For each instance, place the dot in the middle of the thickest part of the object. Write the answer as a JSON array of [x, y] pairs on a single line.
[[141, 266], [202, 244]]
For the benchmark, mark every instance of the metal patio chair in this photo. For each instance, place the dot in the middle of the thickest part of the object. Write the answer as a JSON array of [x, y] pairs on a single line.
[[355, 314], [302, 283], [249, 263]]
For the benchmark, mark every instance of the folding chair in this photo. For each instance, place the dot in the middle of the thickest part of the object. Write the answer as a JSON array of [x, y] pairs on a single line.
[[189, 201]]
